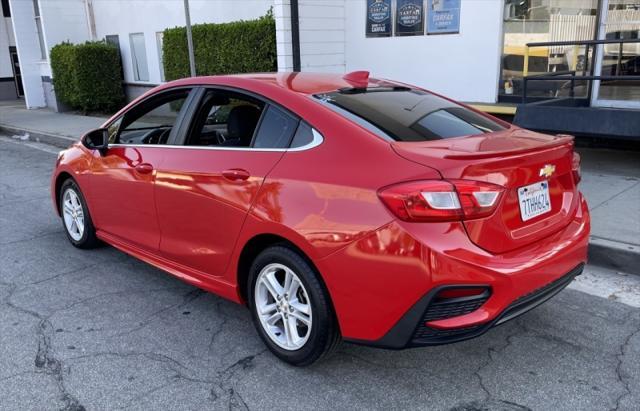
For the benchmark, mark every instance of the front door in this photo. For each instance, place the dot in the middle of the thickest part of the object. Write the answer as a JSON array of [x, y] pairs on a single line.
[[122, 179], [205, 190], [620, 19]]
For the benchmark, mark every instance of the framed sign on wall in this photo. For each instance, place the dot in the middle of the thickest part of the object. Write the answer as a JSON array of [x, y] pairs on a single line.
[[409, 18], [443, 16], [378, 18]]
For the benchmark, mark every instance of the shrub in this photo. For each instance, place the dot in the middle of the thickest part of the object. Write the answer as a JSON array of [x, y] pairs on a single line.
[[239, 47], [87, 76]]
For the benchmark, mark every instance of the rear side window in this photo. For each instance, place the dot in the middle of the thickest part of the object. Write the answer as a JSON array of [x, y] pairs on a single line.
[[404, 114], [303, 136], [276, 129]]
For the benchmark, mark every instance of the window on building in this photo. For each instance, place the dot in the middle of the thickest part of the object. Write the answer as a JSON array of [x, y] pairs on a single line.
[[114, 40], [139, 57], [159, 43], [43, 47], [534, 21], [6, 11]]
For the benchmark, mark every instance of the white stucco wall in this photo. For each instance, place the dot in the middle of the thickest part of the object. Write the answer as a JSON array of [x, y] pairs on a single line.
[[26, 37], [322, 34], [123, 17], [5, 42], [463, 66], [62, 20]]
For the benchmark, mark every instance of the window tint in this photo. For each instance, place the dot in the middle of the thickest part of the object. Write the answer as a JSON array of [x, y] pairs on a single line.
[[225, 118], [303, 136], [152, 121], [404, 114], [276, 129]]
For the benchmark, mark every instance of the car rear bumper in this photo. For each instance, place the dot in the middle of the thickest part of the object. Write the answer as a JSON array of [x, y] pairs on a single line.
[[383, 286], [412, 329]]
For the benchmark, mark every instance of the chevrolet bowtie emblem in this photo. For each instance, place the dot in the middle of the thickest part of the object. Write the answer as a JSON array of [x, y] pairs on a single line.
[[547, 170]]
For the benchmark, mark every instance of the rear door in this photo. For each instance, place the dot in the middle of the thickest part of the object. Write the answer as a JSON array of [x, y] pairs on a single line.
[[205, 189]]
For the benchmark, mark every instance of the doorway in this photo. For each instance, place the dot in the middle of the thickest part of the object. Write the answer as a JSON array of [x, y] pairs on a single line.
[[15, 65]]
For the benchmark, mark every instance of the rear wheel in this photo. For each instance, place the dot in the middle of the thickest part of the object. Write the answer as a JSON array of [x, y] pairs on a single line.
[[76, 219], [291, 308]]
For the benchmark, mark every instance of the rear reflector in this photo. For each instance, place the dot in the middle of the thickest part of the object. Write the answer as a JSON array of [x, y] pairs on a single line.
[[440, 200], [575, 168]]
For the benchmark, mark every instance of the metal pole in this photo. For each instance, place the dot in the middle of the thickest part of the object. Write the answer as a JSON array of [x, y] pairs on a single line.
[[192, 59]]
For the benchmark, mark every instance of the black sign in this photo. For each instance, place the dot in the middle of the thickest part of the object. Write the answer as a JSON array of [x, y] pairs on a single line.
[[378, 18], [409, 18]]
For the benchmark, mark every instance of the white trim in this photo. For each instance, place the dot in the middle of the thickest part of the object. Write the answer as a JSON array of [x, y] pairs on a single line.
[[317, 140]]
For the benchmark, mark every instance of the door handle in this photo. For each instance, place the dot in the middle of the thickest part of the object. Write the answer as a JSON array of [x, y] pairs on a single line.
[[236, 174], [144, 168]]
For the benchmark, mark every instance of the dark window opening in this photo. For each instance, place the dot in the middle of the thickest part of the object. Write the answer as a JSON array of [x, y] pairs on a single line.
[[6, 11], [408, 114], [276, 129], [225, 118]]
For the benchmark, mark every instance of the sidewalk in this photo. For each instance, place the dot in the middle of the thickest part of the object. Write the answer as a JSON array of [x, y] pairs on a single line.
[[45, 125], [610, 181]]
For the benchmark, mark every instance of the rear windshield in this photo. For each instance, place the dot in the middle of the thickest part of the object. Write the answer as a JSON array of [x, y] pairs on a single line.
[[404, 114]]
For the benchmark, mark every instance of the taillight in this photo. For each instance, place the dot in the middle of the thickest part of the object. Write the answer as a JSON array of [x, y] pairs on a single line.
[[441, 200], [575, 168]]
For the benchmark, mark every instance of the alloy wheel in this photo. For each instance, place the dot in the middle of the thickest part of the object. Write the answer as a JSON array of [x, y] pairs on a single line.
[[73, 214], [283, 306]]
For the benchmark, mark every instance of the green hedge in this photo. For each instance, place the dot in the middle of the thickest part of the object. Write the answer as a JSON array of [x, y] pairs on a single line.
[[238, 47], [87, 76]]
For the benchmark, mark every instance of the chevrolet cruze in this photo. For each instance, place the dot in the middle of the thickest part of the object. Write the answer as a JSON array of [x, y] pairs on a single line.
[[334, 207]]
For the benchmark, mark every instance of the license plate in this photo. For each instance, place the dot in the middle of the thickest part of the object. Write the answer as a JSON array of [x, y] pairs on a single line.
[[534, 200]]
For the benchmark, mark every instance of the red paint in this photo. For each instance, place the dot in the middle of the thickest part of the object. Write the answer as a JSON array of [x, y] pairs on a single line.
[[191, 212]]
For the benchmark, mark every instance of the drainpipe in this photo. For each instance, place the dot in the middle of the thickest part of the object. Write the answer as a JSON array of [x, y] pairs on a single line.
[[91, 20], [295, 35]]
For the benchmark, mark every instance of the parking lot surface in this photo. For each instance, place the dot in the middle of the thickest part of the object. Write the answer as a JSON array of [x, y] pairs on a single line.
[[100, 330]]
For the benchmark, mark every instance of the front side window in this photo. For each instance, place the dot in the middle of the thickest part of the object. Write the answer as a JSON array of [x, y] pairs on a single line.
[[404, 114], [152, 121]]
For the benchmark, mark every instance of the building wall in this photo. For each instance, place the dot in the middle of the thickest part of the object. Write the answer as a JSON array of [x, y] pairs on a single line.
[[123, 17], [463, 66], [7, 81], [28, 46], [323, 34], [63, 20]]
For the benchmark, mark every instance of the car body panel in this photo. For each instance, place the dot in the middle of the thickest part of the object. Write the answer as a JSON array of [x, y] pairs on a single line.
[[191, 196]]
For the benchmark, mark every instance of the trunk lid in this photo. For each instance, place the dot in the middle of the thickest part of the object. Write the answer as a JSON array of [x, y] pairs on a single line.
[[512, 158]]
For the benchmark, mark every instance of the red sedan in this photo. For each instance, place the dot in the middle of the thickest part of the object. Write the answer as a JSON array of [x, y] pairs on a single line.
[[335, 207]]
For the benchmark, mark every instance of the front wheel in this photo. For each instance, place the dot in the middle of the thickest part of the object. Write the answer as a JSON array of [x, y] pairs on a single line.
[[291, 308], [76, 219]]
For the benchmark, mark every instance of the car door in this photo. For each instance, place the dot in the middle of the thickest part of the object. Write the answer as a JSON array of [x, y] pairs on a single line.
[[122, 178], [205, 190]]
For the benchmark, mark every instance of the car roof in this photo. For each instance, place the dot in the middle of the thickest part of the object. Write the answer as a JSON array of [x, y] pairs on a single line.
[[298, 82]]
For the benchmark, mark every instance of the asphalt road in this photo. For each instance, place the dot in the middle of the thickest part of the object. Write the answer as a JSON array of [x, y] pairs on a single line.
[[101, 330]]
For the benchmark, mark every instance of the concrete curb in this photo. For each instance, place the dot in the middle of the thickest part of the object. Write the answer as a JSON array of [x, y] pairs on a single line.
[[38, 136], [615, 255]]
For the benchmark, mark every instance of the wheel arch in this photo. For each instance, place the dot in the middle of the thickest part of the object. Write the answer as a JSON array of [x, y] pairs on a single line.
[[60, 179], [260, 242]]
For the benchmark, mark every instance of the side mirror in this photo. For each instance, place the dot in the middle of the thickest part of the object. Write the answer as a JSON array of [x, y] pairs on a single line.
[[97, 139]]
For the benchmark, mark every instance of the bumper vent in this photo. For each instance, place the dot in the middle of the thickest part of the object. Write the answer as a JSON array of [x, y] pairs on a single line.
[[442, 308]]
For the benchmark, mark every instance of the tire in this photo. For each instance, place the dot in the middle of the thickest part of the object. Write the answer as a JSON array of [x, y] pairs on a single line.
[[70, 195], [321, 336]]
